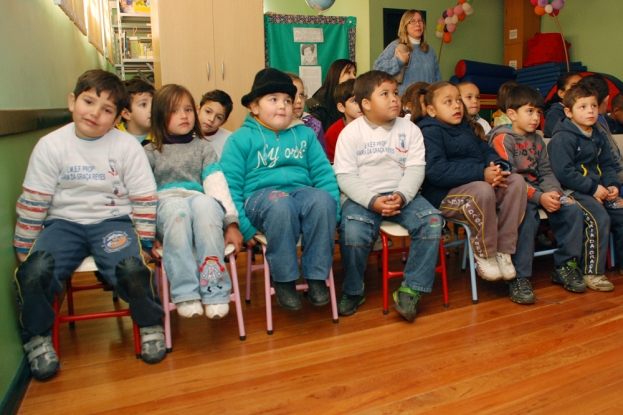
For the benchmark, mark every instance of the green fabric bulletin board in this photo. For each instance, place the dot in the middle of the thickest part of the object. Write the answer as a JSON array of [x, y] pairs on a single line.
[[284, 53]]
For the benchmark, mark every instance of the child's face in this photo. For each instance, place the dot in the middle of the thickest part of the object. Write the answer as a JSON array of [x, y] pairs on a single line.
[[570, 82], [350, 110], [211, 116], [384, 103], [274, 110], [471, 97], [447, 106], [182, 119], [349, 72], [525, 119], [299, 102], [584, 112], [139, 119], [617, 114], [93, 115]]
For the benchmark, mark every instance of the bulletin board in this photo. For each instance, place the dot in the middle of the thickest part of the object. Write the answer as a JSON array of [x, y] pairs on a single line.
[[308, 45]]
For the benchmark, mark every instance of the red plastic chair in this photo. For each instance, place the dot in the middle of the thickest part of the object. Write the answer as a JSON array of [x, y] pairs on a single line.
[[393, 229], [88, 265]]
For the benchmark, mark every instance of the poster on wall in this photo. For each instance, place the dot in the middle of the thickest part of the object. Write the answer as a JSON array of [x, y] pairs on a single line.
[[307, 45]]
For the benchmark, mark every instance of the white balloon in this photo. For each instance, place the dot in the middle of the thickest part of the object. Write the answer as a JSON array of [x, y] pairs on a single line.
[[448, 20], [549, 8], [439, 34], [455, 19], [466, 7], [469, 12]]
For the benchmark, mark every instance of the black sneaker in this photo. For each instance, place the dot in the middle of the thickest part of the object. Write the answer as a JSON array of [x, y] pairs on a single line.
[[287, 296], [521, 291], [318, 292], [348, 304], [570, 277], [406, 302]]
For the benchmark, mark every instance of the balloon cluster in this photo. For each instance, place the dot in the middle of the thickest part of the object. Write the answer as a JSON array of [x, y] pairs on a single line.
[[452, 17], [551, 7]]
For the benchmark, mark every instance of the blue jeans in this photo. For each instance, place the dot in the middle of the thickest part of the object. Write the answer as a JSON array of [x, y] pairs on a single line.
[[359, 229], [283, 217], [195, 271]]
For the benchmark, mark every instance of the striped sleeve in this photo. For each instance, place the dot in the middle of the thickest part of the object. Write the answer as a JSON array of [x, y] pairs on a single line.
[[32, 208], [144, 215]]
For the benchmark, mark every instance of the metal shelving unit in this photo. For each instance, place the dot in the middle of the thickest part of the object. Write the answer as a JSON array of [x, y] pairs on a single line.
[[134, 25]]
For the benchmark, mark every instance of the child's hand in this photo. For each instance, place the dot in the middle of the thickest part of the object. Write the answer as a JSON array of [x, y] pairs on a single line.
[[396, 198], [403, 56], [21, 256], [234, 237], [252, 242], [156, 245], [386, 206], [550, 201], [601, 193], [491, 173], [613, 192], [502, 179], [146, 256]]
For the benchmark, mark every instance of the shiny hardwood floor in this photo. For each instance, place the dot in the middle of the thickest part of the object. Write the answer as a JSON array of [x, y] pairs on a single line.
[[561, 355]]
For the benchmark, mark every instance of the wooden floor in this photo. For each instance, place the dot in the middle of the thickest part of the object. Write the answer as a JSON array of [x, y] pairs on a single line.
[[561, 355]]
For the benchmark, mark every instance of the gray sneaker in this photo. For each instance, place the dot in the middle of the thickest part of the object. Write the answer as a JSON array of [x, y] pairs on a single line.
[[521, 291], [153, 348], [42, 357], [406, 302], [570, 277], [347, 306]]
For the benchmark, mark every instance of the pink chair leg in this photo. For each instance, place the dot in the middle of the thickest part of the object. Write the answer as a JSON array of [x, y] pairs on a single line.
[[249, 270], [331, 284], [268, 291], [235, 296], [164, 281], [385, 272]]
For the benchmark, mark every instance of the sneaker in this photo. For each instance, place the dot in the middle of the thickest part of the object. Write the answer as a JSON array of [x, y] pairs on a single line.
[[446, 234], [215, 311], [488, 268], [570, 277], [521, 291], [153, 349], [378, 244], [505, 263], [406, 302], [347, 306], [318, 292], [189, 309], [42, 357], [287, 296], [598, 283]]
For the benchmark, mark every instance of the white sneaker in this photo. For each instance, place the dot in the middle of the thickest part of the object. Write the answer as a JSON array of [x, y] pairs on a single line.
[[506, 266], [215, 311], [189, 309], [488, 268]]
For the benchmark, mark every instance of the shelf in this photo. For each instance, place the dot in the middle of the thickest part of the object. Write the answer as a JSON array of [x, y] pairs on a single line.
[[134, 17]]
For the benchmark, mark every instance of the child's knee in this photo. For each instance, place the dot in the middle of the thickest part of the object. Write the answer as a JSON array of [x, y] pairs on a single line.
[[430, 224], [36, 273], [134, 277], [357, 231]]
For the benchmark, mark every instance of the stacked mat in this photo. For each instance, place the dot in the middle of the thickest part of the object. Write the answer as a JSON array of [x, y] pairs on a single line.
[[544, 77], [487, 77]]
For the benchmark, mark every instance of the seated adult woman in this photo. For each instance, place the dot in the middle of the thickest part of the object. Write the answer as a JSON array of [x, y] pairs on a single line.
[[420, 61]]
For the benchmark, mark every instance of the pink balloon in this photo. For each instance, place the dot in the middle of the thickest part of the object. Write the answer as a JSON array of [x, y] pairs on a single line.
[[458, 10], [543, 3], [450, 12], [451, 28], [558, 4], [441, 20]]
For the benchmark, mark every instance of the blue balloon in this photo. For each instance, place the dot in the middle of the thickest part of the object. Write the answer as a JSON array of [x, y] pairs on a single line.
[[320, 5]]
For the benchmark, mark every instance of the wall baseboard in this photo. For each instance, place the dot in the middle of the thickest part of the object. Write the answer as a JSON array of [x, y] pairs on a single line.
[[21, 121], [15, 394]]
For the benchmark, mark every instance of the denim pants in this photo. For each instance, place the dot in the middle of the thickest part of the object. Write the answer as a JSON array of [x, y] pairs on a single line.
[[191, 230], [359, 229], [282, 217], [568, 227], [60, 249]]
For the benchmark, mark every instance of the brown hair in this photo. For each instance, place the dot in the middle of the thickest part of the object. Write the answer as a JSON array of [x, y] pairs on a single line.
[[366, 84], [576, 92], [403, 35], [503, 94], [416, 112], [101, 80], [412, 94], [617, 101], [344, 92], [523, 95], [165, 100], [136, 86]]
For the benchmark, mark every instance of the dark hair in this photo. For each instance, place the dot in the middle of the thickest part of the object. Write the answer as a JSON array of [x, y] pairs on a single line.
[[617, 101], [366, 84], [503, 94], [475, 125], [413, 92], [101, 80], [308, 46], [344, 92], [429, 95], [599, 84], [221, 97], [165, 100], [576, 92], [561, 85], [325, 93], [523, 95], [135, 86]]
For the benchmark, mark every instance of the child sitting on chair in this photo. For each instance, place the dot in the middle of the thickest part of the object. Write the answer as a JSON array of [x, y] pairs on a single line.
[[283, 186]]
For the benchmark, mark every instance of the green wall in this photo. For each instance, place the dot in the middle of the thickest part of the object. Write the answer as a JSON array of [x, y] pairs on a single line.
[[593, 30], [42, 54], [479, 37], [356, 8]]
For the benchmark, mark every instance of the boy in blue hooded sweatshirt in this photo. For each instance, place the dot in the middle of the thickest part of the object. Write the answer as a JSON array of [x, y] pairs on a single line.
[[283, 186]]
